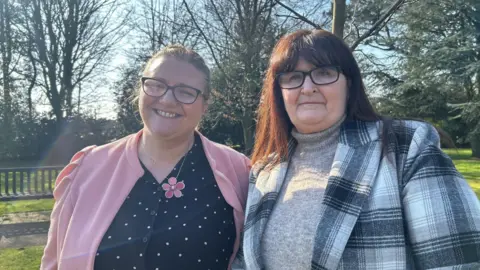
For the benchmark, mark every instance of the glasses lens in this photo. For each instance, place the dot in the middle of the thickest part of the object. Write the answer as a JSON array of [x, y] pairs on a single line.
[[290, 79], [185, 94], [325, 75], [154, 88]]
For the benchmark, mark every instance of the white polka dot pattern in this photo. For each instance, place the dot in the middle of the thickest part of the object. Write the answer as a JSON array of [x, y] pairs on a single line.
[[201, 217]]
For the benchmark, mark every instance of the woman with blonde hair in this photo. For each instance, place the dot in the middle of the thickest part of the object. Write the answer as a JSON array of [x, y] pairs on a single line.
[[163, 198]]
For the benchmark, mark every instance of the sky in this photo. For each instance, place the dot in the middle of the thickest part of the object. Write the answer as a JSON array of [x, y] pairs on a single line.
[[106, 106]]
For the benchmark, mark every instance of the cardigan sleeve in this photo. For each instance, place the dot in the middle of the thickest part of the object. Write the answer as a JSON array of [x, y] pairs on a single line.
[[442, 213], [62, 211]]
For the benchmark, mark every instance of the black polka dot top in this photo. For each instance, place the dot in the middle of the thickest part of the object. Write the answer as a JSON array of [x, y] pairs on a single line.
[[183, 222]]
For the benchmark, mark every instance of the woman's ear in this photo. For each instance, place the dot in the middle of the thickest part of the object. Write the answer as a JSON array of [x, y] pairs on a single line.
[[206, 104]]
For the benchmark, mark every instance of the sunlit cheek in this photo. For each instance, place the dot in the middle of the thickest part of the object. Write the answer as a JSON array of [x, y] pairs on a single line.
[[141, 104], [145, 100], [289, 97]]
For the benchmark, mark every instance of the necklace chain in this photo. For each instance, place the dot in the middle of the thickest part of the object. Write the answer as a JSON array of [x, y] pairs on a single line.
[[181, 165]]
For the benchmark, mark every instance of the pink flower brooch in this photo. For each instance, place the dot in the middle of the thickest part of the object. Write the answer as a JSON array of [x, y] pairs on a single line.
[[173, 188]]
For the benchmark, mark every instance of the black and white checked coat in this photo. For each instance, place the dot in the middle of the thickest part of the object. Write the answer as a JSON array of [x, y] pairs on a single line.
[[410, 209]]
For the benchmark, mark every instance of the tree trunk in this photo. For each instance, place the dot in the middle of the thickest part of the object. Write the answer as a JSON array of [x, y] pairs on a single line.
[[30, 91], [339, 17], [6, 54], [70, 37], [247, 126], [79, 97], [475, 139], [475, 144]]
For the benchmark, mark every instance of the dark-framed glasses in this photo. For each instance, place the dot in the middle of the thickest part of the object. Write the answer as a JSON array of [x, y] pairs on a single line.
[[319, 76], [182, 93]]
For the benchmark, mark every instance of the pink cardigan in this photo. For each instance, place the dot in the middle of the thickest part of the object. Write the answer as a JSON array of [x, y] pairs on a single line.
[[90, 190]]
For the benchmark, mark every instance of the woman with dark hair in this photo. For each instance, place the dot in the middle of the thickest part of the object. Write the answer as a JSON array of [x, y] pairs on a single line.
[[334, 185]]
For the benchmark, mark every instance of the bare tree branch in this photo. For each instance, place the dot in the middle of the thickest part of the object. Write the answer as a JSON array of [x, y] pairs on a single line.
[[299, 16], [376, 27], [69, 39], [206, 39], [220, 18], [352, 23]]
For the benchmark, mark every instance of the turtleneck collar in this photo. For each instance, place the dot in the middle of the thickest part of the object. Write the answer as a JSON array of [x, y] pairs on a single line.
[[318, 140]]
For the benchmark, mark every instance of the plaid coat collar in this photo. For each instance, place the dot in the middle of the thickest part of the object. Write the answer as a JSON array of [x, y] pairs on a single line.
[[349, 184]]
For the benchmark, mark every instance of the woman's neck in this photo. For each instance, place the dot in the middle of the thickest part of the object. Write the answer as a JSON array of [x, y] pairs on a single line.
[[164, 150]]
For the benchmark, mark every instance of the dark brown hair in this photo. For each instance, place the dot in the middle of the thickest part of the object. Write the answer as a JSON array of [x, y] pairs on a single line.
[[320, 48]]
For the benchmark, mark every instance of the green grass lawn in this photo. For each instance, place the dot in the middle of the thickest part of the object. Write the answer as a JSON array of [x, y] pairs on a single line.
[[25, 206], [467, 166], [33, 182], [21, 259]]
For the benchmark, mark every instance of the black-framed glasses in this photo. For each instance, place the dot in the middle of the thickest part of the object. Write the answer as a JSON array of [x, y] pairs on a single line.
[[320, 76], [182, 93]]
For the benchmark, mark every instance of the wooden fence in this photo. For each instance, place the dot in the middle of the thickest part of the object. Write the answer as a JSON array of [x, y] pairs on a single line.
[[27, 183]]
